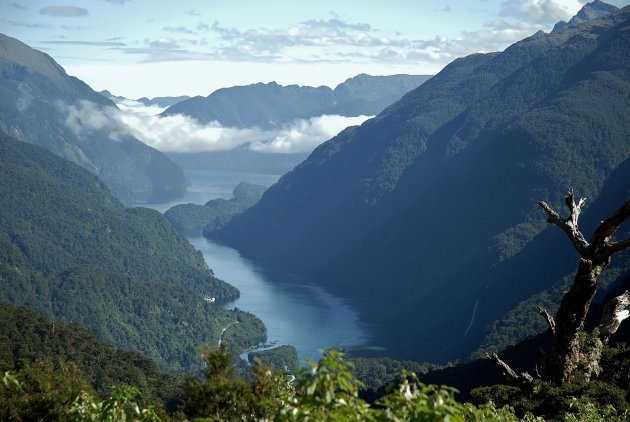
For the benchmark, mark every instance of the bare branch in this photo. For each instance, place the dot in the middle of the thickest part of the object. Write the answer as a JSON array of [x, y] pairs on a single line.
[[550, 321], [569, 225], [620, 246], [615, 311], [505, 368], [524, 378], [608, 227]]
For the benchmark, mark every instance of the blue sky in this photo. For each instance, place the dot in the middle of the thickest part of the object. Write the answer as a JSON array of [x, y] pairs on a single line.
[[148, 48]]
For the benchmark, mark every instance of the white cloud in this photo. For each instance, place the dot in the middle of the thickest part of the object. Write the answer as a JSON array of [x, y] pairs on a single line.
[[337, 40], [268, 42], [540, 11], [305, 134], [179, 133], [64, 11], [85, 117], [184, 134]]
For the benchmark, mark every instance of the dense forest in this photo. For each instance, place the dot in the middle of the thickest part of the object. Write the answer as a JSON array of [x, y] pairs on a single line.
[[71, 251]]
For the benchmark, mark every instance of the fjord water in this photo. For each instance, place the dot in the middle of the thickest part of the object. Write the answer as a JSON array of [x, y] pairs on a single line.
[[212, 184], [304, 316]]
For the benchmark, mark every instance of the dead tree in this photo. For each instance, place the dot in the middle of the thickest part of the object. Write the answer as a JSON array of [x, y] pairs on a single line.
[[574, 352]]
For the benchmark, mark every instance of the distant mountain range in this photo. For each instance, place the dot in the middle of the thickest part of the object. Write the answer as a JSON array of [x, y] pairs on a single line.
[[425, 217], [271, 105], [155, 101], [42, 105]]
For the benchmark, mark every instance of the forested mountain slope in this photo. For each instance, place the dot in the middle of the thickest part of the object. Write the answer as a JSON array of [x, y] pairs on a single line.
[[71, 251], [425, 217], [26, 338], [42, 105]]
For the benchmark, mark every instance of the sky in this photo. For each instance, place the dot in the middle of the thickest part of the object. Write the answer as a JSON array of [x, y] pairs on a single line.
[[137, 48]]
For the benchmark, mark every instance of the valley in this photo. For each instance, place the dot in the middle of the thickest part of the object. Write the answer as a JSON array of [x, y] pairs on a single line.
[[293, 313], [296, 215]]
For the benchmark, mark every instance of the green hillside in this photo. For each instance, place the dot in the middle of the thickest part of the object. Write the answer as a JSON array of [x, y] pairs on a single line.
[[73, 252], [26, 338]]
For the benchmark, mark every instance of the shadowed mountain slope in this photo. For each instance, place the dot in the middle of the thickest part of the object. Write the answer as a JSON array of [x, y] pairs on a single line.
[[425, 217]]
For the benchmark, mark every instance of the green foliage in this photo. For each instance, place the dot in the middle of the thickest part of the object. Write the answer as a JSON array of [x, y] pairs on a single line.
[[326, 390], [26, 338], [119, 407], [414, 401], [615, 363], [282, 358], [221, 396], [322, 391], [380, 371], [596, 400], [38, 392]]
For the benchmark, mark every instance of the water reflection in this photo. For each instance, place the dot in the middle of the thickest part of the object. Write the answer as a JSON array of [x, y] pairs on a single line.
[[304, 316]]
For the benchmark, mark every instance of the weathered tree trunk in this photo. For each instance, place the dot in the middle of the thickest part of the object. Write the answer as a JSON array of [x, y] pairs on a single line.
[[567, 346], [573, 352]]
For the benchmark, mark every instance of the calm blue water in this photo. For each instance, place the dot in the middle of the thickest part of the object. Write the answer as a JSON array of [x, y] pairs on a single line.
[[304, 316]]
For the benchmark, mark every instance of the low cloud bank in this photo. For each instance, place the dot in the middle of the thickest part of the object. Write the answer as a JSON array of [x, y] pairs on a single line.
[[179, 133]]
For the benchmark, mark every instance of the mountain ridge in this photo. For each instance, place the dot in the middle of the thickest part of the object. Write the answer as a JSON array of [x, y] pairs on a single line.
[[155, 101], [39, 100], [593, 10], [442, 187], [269, 105]]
